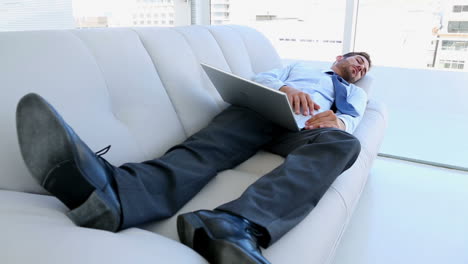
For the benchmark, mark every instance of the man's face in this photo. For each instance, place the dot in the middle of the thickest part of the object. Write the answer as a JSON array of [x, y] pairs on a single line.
[[353, 68]]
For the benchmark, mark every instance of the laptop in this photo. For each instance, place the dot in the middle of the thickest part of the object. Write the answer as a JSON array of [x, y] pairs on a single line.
[[272, 104]]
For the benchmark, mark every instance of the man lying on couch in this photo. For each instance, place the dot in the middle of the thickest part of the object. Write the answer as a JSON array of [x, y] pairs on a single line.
[[112, 198]]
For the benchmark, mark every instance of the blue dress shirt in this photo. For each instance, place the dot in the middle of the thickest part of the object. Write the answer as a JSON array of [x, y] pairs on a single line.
[[306, 78]]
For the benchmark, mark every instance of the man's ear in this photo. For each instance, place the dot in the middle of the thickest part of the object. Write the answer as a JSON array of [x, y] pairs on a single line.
[[338, 58]]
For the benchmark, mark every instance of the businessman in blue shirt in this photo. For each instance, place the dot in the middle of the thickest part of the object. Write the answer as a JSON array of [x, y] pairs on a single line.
[[313, 89], [100, 195]]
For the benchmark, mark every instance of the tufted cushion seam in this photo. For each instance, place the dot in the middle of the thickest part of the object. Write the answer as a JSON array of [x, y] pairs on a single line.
[[222, 49], [163, 84], [73, 32], [245, 45]]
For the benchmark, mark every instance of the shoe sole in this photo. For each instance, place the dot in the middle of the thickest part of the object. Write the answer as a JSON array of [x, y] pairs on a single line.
[[192, 231], [48, 148]]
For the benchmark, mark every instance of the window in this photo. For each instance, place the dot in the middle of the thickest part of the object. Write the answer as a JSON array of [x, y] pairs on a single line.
[[447, 45], [458, 26], [222, 14], [457, 9], [286, 23], [265, 17], [68, 14], [419, 38], [220, 6], [452, 64], [404, 36], [404, 39], [455, 45]]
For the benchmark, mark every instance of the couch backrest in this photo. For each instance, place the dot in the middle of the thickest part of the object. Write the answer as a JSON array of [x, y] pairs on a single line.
[[140, 90]]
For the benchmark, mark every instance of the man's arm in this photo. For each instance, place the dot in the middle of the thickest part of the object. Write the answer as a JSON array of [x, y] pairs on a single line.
[[276, 79], [358, 98], [325, 119], [300, 99]]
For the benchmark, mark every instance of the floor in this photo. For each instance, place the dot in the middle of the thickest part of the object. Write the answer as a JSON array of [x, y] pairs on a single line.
[[409, 213]]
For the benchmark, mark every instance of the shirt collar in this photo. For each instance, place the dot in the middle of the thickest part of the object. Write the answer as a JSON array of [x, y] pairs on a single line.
[[328, 71]]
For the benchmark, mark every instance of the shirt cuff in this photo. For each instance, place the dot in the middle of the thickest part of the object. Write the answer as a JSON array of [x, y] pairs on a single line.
[[346, 123]]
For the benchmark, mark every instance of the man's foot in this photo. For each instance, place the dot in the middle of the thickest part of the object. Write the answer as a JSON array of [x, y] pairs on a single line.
[[65, 166], [221, 238]]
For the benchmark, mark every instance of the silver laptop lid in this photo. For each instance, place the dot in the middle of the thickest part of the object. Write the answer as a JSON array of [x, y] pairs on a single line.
[[266, 101]]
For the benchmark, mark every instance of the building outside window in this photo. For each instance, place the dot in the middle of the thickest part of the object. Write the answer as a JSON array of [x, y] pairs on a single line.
[[422, 34], [451, 38], [286, 24], [460, 8], [455, 45], [17, 15], [427, 35], [407, 40], [452, 64], [458, 26]]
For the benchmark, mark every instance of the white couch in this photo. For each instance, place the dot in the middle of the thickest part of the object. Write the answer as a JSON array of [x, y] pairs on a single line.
[[142, 90]]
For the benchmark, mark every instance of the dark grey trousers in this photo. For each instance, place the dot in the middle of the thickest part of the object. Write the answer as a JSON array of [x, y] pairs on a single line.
[[157, 189]]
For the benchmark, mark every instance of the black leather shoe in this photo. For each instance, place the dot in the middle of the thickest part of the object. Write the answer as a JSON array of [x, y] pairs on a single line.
[[65, 166], [221, 238]]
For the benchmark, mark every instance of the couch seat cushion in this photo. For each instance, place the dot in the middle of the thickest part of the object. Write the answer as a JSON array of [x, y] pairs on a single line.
[[34, 229]]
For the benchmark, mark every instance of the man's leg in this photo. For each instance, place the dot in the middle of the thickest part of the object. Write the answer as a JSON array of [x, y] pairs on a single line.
[[158, 188], [282, 198], [99, 194]]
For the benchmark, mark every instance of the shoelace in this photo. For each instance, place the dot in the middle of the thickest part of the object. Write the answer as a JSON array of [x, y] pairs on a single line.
[[103, 151]]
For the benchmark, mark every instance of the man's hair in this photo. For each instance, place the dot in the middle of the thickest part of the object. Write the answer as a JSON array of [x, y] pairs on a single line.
[[364, 54]]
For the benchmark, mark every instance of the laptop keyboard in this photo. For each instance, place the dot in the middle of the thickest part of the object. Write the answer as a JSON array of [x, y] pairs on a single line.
[[301, 119]]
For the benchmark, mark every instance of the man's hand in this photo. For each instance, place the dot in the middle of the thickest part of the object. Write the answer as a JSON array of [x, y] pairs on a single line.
[[325, 119], [300, 99]]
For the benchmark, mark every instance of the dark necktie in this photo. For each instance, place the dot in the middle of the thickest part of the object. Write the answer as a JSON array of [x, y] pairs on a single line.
[[341, 103]]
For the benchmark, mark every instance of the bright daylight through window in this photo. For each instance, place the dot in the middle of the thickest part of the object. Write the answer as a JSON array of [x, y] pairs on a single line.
[[299, 29], [422, 31], [124, 13], [415, 34], [424, 79], [420, 48], [20, 15]]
